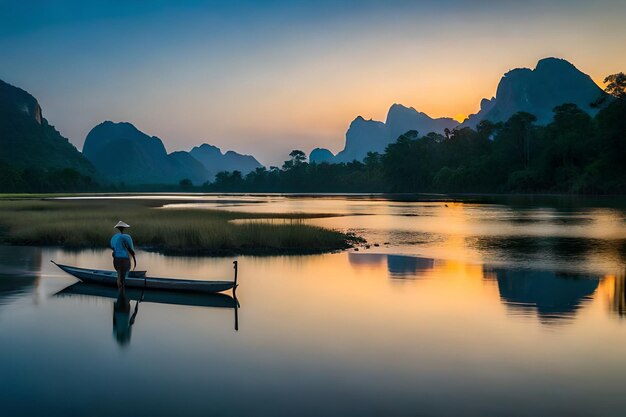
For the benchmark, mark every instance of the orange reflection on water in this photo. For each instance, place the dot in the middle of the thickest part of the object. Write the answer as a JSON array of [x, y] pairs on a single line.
[[612, 291]]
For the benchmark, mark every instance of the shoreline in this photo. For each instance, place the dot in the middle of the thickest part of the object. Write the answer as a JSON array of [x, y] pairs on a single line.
[[86, 224]]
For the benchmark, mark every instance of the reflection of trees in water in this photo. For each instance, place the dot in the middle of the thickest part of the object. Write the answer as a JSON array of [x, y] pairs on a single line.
[[552, 296], [371, 259], [407, 266], [19, 271], [559, 217], [519, 248], [398, 266]]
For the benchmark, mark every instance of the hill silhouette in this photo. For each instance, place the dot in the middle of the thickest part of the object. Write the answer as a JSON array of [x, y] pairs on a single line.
[[28, 140], [365, 136], [215, 161], [553, 82], [123, 153]]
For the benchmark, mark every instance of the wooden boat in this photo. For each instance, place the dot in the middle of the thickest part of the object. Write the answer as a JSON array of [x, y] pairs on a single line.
[[95, 276], [82, 289]]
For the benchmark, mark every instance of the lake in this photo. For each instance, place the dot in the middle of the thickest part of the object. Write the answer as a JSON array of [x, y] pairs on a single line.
[[516, 308]]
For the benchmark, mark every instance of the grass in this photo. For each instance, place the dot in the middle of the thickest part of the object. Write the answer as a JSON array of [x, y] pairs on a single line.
[[89, 224]]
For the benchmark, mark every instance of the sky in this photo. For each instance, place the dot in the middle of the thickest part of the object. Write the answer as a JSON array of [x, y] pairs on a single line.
[[266, 77]]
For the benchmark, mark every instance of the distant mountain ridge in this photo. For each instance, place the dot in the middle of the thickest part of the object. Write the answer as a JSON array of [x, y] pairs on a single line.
[[365, 136], [553, 82], [27, 140], [214, 161], [122, 153]]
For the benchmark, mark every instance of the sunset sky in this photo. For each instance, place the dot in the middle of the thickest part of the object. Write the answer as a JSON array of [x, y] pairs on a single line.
[[267, 77]]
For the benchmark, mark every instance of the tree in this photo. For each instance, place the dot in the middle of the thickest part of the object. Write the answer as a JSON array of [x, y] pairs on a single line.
[[372, 159], [515, 141], [297, 158], [611, 122], [185, 183], [616, 85], [567, 145], [228, 181]]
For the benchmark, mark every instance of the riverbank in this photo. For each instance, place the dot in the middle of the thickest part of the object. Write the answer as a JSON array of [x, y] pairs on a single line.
[[184, 231]]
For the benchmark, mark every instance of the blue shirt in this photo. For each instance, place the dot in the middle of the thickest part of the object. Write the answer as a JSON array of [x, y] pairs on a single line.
[[117, 244]]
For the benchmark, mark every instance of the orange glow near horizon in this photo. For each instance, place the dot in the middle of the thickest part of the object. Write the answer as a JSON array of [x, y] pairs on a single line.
[[286, 80], [460, 117]]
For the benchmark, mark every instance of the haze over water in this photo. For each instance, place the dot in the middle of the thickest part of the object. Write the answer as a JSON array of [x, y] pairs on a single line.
[[461, 309]]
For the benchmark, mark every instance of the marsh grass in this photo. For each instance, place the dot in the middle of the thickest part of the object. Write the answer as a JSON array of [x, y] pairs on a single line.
[[89, 223]]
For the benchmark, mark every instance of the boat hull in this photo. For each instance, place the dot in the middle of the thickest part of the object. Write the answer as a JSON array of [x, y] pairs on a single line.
[[164, 284]]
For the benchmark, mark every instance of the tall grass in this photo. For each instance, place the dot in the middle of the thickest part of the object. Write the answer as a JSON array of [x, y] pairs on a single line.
[[89, 223]]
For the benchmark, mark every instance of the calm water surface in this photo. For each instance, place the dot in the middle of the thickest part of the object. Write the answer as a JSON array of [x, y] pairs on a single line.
[[460, 309]]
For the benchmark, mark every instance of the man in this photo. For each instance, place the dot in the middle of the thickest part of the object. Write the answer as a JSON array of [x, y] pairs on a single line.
[[122, 245]]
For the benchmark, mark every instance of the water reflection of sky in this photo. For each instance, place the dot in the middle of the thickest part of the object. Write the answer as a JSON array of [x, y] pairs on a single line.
[[497, 320], [320, 333], [562, 236]]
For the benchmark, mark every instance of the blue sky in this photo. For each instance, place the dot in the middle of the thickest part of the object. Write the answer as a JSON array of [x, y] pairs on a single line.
[[267, 77]]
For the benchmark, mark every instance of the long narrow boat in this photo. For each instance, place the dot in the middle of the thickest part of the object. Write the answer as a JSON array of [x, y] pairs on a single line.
[[96, 276]]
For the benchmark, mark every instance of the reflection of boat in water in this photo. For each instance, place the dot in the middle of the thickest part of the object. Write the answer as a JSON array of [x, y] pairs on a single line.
[[95, 276], [82, 289], [152, 296]]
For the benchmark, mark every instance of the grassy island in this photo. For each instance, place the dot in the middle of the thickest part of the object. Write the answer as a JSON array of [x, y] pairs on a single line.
[[185, 231]]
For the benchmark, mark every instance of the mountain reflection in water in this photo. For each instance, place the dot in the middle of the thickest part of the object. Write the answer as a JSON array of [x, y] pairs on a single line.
[[408, 335], [552, 296], [453, 309], [398, 266]]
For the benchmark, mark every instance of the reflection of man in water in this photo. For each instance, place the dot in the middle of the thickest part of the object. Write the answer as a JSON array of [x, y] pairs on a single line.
[[122, 321], [123, 249]]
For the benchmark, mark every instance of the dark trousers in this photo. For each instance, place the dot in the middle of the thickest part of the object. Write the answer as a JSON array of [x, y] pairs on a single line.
[[122, 266]]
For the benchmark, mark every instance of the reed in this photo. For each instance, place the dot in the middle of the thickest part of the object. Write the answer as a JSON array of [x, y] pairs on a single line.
[[88, 223]]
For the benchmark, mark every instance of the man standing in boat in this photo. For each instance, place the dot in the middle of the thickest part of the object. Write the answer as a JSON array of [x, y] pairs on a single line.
[[123, 248]]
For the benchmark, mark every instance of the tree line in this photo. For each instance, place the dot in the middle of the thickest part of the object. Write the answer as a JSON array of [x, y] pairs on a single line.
[[43, 180]]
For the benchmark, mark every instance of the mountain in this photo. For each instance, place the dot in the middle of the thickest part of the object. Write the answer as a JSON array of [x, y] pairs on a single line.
[[27, 140], [365, 136], [553, 82], [186, 166], [319, 155], [401, 119], [214, 161], [122, 153]]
